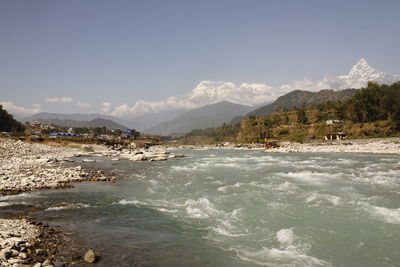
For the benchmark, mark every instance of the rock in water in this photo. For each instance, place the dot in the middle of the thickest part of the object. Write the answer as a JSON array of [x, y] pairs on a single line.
[[90, 256]]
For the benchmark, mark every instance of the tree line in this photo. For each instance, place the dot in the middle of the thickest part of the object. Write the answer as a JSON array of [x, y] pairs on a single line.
[[376, 102]]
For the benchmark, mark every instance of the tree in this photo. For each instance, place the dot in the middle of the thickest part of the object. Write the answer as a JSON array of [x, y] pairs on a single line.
[[301, 115], [340, 111], [8, 123], [286, 118]]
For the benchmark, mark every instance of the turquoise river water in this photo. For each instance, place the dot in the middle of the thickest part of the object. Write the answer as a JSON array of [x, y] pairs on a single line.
[[235, 208]]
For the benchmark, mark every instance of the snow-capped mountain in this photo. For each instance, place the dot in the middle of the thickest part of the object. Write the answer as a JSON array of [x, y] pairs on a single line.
[[210, 92], [359, 75]]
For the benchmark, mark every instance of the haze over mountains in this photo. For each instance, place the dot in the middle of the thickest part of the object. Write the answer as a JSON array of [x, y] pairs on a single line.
[[200, 118], [213, 103], [140, 123]]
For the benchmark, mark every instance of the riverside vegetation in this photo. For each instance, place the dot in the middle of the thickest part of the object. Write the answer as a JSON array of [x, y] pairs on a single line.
[[373, 111]]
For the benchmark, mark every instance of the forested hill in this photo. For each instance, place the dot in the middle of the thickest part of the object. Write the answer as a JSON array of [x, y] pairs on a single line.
[[297, 98]]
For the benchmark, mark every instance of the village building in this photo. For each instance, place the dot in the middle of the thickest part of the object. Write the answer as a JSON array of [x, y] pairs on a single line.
[[335, 136]]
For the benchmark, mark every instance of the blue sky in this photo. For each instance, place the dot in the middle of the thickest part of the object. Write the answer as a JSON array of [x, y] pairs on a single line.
[[97, 51]]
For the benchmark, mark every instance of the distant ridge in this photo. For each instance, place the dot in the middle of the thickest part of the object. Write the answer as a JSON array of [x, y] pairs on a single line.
[[200, 118], [73, 116], [99, 122], [139, 123]]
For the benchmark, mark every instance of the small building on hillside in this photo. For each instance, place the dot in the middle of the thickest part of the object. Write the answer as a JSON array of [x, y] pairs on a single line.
[[330, 122], [335, 136]]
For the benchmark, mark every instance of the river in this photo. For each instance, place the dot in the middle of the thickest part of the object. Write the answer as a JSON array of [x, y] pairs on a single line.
[[235, 208]]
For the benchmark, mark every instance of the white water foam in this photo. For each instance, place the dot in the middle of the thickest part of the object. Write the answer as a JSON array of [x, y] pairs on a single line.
[[129, 202], [69, 206], [291, 252], [321, 198], [308, 177], [19, 196], [285, 236], [201, 208], [184, 168], [288, 187], [279, 257], [226, 224], [391, 216], [224, 188], [225, 232], [167, 210]]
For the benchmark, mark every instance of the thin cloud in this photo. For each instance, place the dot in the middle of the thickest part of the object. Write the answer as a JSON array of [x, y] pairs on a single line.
[[105, 108], [68, 100], [59, 100], [83, 104]]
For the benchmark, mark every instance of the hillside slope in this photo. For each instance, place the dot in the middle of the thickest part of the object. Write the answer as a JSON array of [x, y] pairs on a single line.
[[297, 98]]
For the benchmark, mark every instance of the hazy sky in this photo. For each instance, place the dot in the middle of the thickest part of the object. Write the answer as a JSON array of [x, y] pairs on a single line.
[[91, 51]]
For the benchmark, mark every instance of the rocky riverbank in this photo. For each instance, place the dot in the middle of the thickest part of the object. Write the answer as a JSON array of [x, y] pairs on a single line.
[[26, 167], [371, 146], [26, 243]]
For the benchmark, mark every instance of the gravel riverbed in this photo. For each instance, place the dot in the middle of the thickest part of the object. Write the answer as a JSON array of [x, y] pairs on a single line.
[[369, 146]]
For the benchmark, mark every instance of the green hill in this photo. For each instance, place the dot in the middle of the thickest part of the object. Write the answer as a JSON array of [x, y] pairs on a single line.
[[296, 99]]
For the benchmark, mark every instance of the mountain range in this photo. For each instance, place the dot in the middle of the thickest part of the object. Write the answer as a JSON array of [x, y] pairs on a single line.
[[235, 104], [251, 94], [139, 123], [200, 118]]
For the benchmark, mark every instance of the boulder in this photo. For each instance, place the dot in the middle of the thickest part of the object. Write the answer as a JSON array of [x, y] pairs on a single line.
[[87, 148], [90, 256], [88, 160], [5, 254], [138, 157], [47, 262], [160, 158]]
